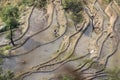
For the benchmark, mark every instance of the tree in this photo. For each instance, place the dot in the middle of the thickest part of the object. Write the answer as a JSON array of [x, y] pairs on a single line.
[[10, 15], [8, 12], [11, 23]]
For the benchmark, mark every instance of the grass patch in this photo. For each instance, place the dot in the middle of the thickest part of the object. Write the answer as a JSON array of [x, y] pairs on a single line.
[[113, 74], [87, 61], [4, 50], [107, 1], [6, 75], [118, 2]]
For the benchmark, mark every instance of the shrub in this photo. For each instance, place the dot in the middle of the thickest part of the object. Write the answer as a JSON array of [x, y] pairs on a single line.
[[28, 2], [38, 3], [3, 50], [74, 6], [77, 17], [7, 47]]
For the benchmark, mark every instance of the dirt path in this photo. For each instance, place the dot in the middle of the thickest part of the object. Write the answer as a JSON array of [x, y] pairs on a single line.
[[52, 41]]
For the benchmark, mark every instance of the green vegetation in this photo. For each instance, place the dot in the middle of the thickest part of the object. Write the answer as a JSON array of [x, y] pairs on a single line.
[[77, 17], [107, 1], [6, 75], [75, 7], [8, 12], [28, 2], [4, 50], [118, 1], [1, 61], [113, 74], [7, 47], [9, 15], [38, 3], [66, 77], [87, 61], [8, 36], [41, 3]]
